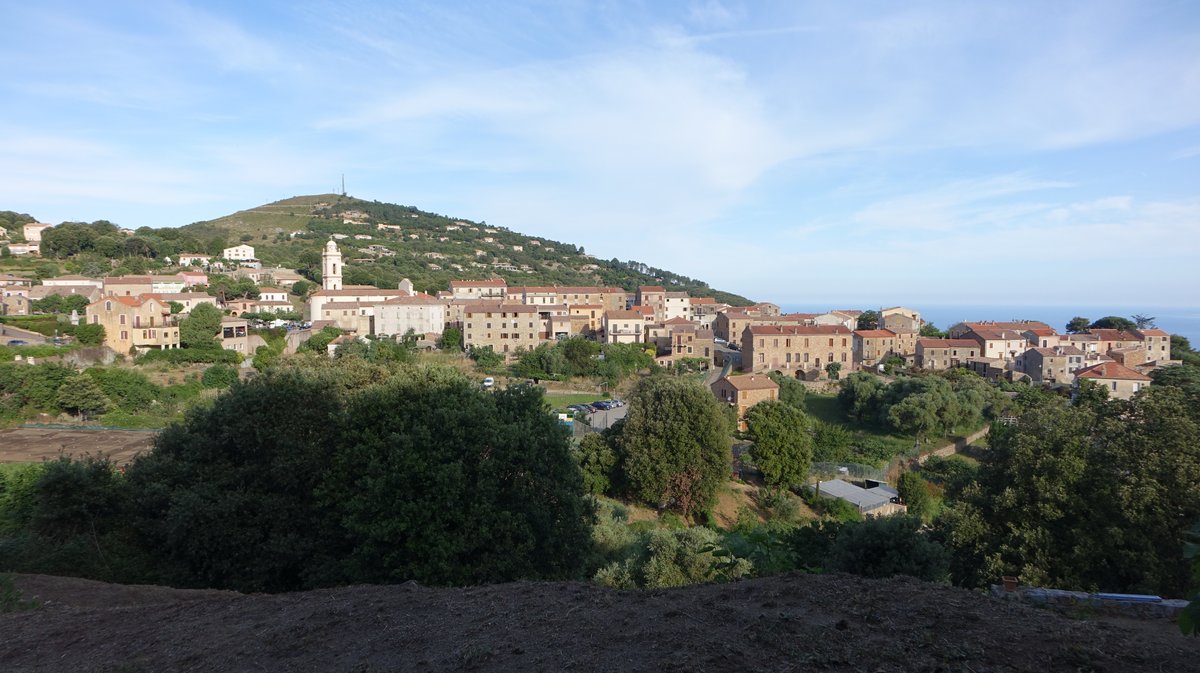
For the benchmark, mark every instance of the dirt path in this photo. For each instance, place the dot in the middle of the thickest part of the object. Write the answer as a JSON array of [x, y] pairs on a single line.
[[33, 445], [835, 623]]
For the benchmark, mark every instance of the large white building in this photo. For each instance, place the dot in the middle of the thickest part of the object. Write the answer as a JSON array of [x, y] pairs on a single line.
[[239, 253]]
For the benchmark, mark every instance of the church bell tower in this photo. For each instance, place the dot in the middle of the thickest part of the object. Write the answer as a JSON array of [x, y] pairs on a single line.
[[331, 267]]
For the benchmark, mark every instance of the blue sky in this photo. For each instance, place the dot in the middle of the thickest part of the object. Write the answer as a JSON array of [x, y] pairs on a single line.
[[814, 153]]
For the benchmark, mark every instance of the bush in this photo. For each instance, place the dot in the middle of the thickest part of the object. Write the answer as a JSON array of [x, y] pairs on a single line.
[[887, 546], [186, 356], [219, 376]]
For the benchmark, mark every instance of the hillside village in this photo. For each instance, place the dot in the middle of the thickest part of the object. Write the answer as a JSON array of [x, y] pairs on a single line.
[[141, 313]]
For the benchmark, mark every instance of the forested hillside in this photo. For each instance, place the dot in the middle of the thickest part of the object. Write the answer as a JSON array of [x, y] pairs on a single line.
[[428, 248]]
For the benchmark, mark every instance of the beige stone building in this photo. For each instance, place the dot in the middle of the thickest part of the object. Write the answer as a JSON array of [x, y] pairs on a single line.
[[946, 353], [900, 320], [1051, 365], [999, 343], [73, 281], [872, 346], [624, 327], [745, 391], [804, 349], [479, 290], [1121, 382], [420, 313], [507, 328], [957, 330], [140, 323], [128, 286], [654, 296]]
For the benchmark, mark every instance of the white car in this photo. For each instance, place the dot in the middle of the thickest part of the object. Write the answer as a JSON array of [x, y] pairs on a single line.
[[489, 382]]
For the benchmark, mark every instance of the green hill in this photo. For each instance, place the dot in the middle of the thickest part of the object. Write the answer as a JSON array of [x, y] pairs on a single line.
[[428, 248]]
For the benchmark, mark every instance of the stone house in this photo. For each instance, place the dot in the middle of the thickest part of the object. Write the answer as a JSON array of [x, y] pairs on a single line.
[[743, 392], [1121, 382], [946, 353], [140, 323], [1051, 365], [872, 346], [624, 327], [420, 313], [804, 349]]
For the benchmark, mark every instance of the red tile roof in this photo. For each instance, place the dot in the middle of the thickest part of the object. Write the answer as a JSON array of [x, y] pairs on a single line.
[[1111, 370], [874, 333], [947, 343], [1151, 332], [769, 330], [752, 382], [491, 282]]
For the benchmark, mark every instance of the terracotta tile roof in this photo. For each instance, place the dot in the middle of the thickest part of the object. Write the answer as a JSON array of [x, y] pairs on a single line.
[[360, 291], [996, 334], [751, 382], [418, 299], [1009, 324], [623, 315], [703, 300], [491, 282], [1111, 370], [947, 343], [1059, 351], [585, 306], [1151, 332], [822, 330], [1042, 331], [678, 321], [874, 333], [1114, 335], [127, 280], [651, 288]]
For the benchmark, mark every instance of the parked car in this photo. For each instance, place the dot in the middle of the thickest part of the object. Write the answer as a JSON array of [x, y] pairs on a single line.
[[18, 342], [580, 408], [489, 382], [604, 405]]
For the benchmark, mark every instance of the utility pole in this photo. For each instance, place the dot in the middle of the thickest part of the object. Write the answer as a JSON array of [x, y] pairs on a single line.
[[343, 184]]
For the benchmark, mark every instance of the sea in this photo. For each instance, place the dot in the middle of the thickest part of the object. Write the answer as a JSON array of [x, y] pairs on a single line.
[[1181, 320]]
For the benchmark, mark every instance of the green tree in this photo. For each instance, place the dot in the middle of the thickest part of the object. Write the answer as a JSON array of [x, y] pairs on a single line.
[[1078, 324], [832, 370], [783, 443], [301, 288], [914, 493], [129, 389], [888, 546], [517, 499], [220, 375], [1143, 321], [176, 307], [89, 335], [1084, 496], [868, 319], [199, 329], [451, 340], [81, 396], [486, 358], [791, 390], [674, 444], [1114, 322], [597, 461], [930, 330]]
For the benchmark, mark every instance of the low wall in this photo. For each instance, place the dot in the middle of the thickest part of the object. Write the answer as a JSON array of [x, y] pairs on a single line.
[[1079, 602]]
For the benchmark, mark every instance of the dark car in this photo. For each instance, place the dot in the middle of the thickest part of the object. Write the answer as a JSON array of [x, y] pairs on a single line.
[[604, 405], [580, 408]]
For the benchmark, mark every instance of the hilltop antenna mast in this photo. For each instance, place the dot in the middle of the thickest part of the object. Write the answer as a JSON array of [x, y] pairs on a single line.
[[343, 184]]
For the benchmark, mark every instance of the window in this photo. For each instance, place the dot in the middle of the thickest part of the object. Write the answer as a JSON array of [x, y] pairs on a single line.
[[124, 335], [122, 320], [108, 306], [843, 357]]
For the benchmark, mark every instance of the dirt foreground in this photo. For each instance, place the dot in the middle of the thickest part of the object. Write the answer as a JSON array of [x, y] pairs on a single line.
[[792, 623]]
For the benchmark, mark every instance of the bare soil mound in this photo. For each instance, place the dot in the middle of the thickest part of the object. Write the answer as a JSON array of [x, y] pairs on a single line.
[[791, 623]]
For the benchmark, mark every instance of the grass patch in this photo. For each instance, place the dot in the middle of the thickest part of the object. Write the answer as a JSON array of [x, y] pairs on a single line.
[[561, 400], [825, 408], [121, 419]]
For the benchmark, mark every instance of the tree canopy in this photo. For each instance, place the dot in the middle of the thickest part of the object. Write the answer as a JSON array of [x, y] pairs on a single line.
[[783, 442], [674, 444]]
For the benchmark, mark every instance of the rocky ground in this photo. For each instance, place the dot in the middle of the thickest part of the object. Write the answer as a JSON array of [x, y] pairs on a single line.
[[791, 623]]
